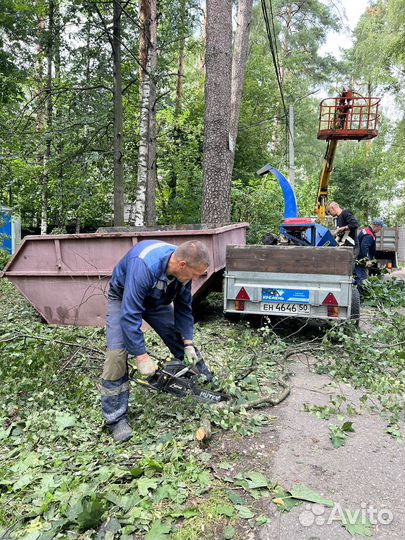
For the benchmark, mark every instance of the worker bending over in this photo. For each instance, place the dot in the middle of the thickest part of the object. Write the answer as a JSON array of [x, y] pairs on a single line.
[[144, 284]]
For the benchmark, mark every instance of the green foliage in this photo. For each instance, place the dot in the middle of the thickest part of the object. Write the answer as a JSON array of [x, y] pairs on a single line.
[[378, 292], [80, 168], [373, 174], [261, 204], [4, 258], [338, 434], [373, 360], [305, 493], [59, 470]]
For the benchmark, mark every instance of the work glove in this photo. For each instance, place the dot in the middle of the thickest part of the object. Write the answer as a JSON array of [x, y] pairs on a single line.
[[191, 354], [145, 365], [198, 363]]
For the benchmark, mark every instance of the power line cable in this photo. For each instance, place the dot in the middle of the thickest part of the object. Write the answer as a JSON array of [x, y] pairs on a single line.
[[272, 39]]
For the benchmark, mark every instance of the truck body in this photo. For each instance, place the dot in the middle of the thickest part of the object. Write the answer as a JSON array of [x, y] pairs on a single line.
[[387, 246], [290, 281]]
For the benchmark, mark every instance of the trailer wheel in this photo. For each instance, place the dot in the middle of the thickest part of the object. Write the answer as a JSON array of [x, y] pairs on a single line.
[[355, 307]]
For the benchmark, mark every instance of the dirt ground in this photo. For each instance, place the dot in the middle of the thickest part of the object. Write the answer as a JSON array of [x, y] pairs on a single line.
[[367, 474]]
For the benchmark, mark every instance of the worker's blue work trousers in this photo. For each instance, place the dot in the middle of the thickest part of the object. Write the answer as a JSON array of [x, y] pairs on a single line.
[[115, 384], [361, 274]]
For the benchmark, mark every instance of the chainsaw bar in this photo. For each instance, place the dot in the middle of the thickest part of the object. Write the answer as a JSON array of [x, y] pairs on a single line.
[[174, 377]]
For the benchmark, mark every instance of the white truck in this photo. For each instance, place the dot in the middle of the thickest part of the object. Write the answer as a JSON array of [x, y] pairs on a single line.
[[291, 281]]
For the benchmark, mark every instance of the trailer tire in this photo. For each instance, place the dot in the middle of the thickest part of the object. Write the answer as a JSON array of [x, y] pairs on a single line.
[[355, 306]]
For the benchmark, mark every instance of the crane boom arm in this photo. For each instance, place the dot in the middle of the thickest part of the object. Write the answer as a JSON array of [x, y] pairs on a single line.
[[324, 180]]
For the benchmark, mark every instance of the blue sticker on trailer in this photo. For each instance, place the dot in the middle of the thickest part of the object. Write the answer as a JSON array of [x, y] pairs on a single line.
[[292, 296]]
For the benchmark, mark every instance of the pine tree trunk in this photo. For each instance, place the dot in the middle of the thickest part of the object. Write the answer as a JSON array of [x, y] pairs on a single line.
[[239, 58], [118, 124], [218, 66], [150, 203]]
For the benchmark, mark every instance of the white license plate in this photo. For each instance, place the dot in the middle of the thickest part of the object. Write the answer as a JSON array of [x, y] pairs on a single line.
[[285, 309]]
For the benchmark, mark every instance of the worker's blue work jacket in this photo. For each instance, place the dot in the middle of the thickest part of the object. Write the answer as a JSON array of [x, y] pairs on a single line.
[[140, 282], [367, 244]]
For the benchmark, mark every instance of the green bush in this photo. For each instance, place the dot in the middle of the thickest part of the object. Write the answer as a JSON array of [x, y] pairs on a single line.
[[4, 258]]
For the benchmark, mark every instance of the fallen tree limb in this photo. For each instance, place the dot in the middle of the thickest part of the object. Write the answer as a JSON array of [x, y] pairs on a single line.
[[268, 400], [204, 432], [49, 340]]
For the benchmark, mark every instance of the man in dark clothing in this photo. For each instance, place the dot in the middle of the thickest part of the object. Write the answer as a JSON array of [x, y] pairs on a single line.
[[367, 249], [346, 223], [144, 284]]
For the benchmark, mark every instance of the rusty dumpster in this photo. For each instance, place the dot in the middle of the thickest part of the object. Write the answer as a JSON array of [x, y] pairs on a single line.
[[65, 277]]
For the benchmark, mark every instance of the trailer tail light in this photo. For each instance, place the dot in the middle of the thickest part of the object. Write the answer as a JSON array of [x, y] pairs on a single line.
[[332, 305], [240, 299], [333, 311]]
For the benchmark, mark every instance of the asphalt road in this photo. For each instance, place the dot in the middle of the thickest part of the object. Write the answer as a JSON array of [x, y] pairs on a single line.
[[366, 474]]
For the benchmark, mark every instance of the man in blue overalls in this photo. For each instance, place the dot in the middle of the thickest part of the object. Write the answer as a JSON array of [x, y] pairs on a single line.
[[144, 284], [367, 250]]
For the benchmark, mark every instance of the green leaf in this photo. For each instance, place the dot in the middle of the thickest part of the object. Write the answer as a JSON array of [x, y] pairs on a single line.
[[235, 498], [145, 484], [204, 478], [337, 440], [337, 436], [225, 465], [347, 427], [244, 512], [158, 531], [229, 532], [262, 520], [284, 501], [90, 516], [187, 513], [137, 472], [256, 480], [23, 481], [304, 493], [354, 524], [225, 510], [64, 421]]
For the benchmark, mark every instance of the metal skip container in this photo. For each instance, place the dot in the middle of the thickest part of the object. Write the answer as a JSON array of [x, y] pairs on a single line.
[[65, 277]]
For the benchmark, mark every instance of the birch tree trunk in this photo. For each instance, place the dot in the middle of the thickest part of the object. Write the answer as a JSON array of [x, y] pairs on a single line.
[[118, 125], [143, 155], [216, 206], [49, 114], [150, 203], [61, 218]]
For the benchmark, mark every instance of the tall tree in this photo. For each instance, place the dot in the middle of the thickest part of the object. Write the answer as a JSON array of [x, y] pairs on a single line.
[[216, 206], [146, 180], [118, 122], [239, 58], [150, 198]]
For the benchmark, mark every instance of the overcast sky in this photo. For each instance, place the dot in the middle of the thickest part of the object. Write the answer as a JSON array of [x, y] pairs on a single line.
[[353, 9]]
